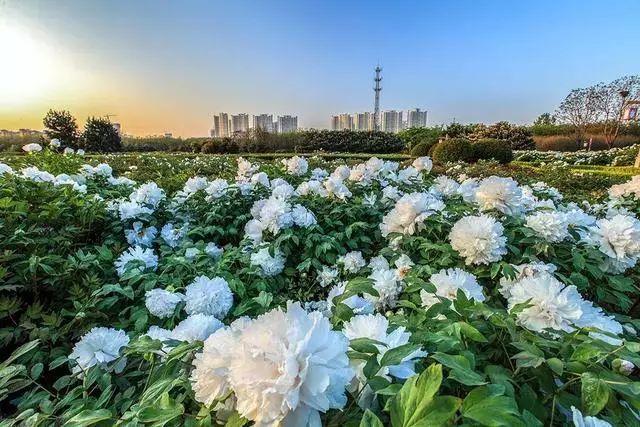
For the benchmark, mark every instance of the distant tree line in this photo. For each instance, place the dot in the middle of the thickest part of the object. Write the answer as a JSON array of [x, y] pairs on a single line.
[[98, 135]]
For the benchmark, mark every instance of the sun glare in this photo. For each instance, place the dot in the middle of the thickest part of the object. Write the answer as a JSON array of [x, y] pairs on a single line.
[[27, 69]]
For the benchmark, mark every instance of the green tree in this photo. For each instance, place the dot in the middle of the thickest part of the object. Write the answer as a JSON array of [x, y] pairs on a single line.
[[60, 124], [100, 135], [545, 119]]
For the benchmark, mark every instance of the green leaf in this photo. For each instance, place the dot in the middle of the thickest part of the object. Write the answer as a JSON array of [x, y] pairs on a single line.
[[460, 369], [88, 417], [489, 406], [366, 345], [161, 412], [36, 370], [369, 419], [556, 365], [20, 351], [415, 405], [594, 393], [395, 355]]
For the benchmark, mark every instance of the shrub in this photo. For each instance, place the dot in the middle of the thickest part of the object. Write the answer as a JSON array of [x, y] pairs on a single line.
[[414, 136], [100, 135], [422, 149], [453, 150], [350, 141], [487, 149]]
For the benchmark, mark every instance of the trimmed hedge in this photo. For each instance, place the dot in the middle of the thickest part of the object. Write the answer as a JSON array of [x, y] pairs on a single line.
[[453, 150], [350, 141], [488, 149], [422, 149]]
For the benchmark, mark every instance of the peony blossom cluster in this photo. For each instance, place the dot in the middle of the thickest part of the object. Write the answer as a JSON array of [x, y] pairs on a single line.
[[284, 367]]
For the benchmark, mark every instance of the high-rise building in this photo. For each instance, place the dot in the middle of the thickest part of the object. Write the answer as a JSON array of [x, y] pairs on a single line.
[[264, 122], [239, 123], [391, 121], [287, 124], [363, 121], [335, 122], [345, 121], [416, 118], [220, 125]]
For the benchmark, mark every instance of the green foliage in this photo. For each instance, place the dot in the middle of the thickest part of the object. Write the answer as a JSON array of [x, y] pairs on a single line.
[[545, 119], [453, 150], [415, 136], [481, 368], [493, 149], [350, 141], [100, 136], [422, 149], [60, 124]]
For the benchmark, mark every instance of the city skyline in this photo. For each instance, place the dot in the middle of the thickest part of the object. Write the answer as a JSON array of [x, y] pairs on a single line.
[[390, 120], [226, 125], [165, 66]]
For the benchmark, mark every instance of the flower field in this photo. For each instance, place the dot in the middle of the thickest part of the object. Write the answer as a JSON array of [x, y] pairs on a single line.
[[219, 290]]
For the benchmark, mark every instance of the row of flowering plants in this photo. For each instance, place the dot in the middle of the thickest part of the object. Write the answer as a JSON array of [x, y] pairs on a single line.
[[622, 156], [366, 295]]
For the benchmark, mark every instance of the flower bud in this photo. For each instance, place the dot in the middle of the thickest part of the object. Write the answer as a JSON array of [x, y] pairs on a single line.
[[623, 367]]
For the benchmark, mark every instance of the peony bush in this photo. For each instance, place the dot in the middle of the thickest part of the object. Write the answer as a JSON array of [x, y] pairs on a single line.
[[288, 293]]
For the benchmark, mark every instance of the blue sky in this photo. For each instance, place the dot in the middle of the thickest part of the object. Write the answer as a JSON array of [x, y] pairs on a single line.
[[169, 65]]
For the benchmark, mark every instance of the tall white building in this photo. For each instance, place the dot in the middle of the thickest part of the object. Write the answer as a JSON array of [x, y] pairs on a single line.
[[416, 118], [239, 123], [391, 121], [345, 121], [220, 126], [287, 124], [264, 122], [363, 121], [335, 122]]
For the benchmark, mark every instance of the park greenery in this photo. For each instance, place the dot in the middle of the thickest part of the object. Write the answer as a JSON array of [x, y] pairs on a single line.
[[200, 290]]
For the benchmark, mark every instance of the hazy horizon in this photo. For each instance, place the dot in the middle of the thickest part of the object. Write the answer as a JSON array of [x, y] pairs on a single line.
[[169, 66]]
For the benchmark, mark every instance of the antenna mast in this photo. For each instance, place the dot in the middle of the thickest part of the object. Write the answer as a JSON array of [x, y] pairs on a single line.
[[376, 108]]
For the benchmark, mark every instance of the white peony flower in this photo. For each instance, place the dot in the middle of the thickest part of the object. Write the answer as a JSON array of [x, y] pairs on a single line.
[[213, 250], [131, 210], [619, 239], [444, 186], [140, 236], [448, 282], [55, 143], [409, 213], [172, 235], [312, 187], [388, 286], [191, 253], [208, 296], [391, 192], [319, 174], [270, 265], [423, 164], [34, 174], [327, 276], [148, 194], [341, 173], [378, 263], [216, 189], [32, 148], [403, 265], [143, 257], [285, 367], [80, 152], [352, 261], [68, 150], [336, 188], [478, 239], [534, 269], [296, 165], [99, 346], [552, 226], [552, 304], [162, 303], [196, 327], [303, 217], [502, 194], [5, 169]]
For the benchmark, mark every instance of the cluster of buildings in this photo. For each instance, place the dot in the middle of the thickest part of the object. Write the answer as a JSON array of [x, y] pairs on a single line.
[[389, 121], [225, 124]]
